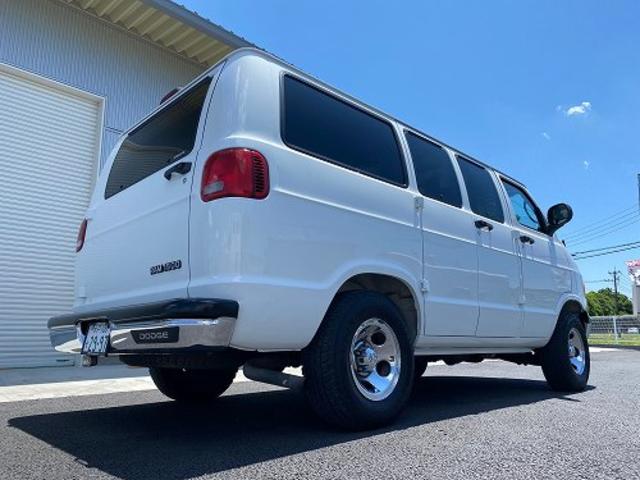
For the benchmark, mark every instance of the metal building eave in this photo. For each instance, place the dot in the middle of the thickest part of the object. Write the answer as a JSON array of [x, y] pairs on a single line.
[[168, 25], [199, 23]]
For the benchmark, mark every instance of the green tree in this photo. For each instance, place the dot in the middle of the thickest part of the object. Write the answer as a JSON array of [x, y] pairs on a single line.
[[602, 303]]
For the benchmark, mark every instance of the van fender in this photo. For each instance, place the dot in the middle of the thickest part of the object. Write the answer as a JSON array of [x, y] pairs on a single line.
[[275, 329], [567, 297], [562, 303], [378, 268]]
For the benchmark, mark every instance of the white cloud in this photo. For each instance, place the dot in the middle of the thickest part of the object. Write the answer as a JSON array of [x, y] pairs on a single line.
[[586, 164], [546, 135], [582, 109]]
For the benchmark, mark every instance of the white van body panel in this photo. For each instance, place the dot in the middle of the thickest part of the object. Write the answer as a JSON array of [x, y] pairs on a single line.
[[499, 280], [549, 275], [284, 258], [141, 227]]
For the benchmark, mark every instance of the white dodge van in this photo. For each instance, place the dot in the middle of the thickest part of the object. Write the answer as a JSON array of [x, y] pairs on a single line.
[[260, 218]]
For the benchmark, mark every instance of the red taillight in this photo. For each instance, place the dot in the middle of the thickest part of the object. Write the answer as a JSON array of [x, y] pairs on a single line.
[[235, 172], [82, 232]]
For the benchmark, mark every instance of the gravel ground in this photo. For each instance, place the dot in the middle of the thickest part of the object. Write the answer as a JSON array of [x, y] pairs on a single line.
[[490, 420]]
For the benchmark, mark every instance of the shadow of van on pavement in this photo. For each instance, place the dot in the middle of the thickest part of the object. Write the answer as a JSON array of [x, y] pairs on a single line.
[[166, 440]]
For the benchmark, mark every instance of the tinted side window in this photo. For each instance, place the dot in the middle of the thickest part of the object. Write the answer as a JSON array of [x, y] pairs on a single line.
[[526, 211], [160, 141], [434, 171], [326, 127], [483, 196]]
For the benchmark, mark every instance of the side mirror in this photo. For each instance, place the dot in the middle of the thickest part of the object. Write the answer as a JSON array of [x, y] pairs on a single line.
[[558, 216]]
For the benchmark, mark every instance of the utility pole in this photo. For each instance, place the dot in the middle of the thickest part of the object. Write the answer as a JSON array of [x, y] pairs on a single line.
[[615, 274]]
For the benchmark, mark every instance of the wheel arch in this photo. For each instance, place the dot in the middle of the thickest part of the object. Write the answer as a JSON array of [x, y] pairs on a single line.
[[572, 304], [397, 289], [575, 306]]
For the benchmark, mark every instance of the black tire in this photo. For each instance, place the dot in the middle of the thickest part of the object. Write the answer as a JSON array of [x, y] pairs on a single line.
[[192, 386], [419, 367], [330, 386], [555, 357]]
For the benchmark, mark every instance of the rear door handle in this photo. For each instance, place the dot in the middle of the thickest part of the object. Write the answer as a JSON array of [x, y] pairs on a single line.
[[482, 225], [182, 168], [527, 239]]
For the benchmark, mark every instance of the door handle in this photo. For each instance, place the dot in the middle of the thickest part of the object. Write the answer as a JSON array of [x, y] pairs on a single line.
[[482, 225], [181, 168], [527, 239]]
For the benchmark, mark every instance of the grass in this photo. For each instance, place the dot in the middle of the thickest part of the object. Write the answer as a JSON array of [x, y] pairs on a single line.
[[626, 339]]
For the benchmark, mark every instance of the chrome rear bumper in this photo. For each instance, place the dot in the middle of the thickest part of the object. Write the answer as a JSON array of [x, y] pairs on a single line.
[[192, 333], [152, 328]]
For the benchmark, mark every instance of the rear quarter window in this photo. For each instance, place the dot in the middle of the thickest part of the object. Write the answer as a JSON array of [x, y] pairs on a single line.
[[331, 129], [162, 140], [434, 171]]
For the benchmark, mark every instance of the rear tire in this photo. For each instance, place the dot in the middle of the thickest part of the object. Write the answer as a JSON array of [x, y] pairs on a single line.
[[420, 366], [359, 367], [565, 360], [192, 386]]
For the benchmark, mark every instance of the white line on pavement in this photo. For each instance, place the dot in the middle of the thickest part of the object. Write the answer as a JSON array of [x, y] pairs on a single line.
[[77, 388]]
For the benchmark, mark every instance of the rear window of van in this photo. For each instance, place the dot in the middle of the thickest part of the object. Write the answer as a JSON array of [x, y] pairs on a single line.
[[160, 141]]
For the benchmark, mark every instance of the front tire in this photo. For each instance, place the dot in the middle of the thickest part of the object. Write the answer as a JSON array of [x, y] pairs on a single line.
[[359, 367], [192, 386], [565, 360]]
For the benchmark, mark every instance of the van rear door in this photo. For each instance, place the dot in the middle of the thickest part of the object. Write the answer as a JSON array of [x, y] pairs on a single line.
[[137, 241]]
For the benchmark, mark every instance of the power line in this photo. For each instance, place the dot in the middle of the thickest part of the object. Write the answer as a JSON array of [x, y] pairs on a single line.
[[619, 213], [599, 225], [606, 253], [624, 285], [625, 288], [617, 286], [607, 232], [607, 248], [626, 280], [607, 224], [604, 220]]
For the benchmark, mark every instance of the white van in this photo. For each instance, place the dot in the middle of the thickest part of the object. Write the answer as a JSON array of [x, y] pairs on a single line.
[[263, 219]]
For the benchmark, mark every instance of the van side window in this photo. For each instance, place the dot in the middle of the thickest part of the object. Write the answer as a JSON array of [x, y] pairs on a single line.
[[323, 126], [434, 171], [527, 213], [160, 141], [483, 196]]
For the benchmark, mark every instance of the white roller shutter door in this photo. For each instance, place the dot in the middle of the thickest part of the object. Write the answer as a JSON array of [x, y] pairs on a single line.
[[49, 139]]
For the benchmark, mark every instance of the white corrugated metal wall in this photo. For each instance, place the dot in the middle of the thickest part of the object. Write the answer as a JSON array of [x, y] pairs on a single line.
[[54, 41], [49, 140], [51, 39]]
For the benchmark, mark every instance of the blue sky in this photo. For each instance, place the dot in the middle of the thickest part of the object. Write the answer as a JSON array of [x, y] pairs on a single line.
[[547, 91]]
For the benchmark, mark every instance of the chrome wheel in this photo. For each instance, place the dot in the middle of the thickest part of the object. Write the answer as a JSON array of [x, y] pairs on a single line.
[[577, 351], [375, 359]]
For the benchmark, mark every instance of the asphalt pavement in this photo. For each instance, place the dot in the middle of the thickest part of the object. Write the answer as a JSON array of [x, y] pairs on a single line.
[[489, 420]]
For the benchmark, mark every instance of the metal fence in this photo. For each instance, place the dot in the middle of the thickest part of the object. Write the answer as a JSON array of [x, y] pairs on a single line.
[[620, 330]]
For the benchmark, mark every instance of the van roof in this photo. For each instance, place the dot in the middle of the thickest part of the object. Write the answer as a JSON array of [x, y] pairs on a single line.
[[274, 59], [281, 62]]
